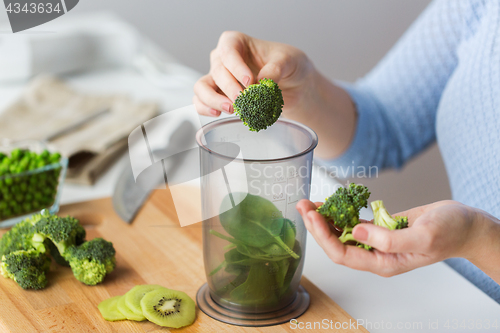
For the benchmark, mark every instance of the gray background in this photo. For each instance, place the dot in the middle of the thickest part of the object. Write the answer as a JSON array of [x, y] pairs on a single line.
[[344, 38]]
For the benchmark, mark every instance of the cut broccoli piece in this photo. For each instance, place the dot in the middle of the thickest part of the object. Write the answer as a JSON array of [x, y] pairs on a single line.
[[62, 232], [17, 238], [344, 205], [381, 217], [259, 106], [91, 261], [27, 268], [342, 208], [20, 236]]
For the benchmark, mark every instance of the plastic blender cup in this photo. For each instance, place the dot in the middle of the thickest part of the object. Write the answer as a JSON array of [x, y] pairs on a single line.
[[253, 237]]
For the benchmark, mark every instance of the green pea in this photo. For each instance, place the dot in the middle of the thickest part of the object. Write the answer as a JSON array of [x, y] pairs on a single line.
[[19, 197], [14, 189], [7, 212], [44, 154], [28, 196], [55, 157], [3, 205], [8, 181], [27, 207], [16, 154], [23, 187]]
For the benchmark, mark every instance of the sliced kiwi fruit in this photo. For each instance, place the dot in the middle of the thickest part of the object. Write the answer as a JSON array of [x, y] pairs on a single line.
[[131, 315], [133, 297], [109, 309], [169, 308]]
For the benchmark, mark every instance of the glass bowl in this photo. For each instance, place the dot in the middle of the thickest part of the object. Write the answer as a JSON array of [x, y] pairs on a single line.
[[25, 193]]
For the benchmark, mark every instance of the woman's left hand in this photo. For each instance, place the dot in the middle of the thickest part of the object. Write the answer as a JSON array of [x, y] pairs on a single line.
[[436, 232]]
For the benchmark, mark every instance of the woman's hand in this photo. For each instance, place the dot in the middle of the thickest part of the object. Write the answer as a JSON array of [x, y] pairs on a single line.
[[436, 232], [240, 60]]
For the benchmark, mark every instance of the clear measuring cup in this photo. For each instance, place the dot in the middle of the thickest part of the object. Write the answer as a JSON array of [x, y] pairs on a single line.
[[254, 239]]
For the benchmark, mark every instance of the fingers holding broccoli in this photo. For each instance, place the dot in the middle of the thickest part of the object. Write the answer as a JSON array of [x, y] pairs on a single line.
[[342, 210]]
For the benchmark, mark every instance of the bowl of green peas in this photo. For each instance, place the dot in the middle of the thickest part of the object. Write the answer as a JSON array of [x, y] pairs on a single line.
[[31, 177]]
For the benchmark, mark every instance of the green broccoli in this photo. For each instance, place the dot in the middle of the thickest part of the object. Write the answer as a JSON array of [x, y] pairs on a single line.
[[381, 217], [27, 268], [24, 258], [342, 208], [58, 233], [91, 261], [20, 237], [259, 106], [344, 205]]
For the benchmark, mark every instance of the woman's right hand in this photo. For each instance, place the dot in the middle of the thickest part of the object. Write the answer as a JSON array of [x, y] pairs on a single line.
[[240, 60]]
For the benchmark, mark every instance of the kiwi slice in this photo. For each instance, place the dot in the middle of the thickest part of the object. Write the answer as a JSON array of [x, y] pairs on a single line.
[[133, 297], [109, 309], [131, 315], [170, 308]]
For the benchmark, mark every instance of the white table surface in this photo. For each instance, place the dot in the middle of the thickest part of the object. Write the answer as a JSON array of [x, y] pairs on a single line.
[[423, 300]]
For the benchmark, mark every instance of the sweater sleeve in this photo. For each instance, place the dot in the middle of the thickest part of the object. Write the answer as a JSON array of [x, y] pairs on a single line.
[[397, 101]]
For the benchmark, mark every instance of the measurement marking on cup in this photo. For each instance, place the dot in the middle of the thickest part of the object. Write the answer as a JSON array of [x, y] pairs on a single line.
[[227, 185]]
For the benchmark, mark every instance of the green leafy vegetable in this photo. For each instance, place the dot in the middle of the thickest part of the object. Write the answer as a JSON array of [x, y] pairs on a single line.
[[255, 222], [263, 254]]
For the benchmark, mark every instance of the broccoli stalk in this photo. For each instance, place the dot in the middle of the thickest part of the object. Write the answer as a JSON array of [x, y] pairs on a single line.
[[91, 261], [381, 217], [259, 106], [342, 208], [27, 268]]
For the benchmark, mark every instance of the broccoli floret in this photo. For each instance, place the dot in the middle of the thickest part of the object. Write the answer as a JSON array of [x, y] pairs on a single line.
[[259, 106], [381, 217], [342, 208], [344, 205], [91, 261], [62, 232], [27, 268], [20, 237]]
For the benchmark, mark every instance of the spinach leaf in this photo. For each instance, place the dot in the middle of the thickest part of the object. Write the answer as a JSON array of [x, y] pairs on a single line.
[[236, 258], [259, 288], [257, 253], [255, 221], [282, 270]]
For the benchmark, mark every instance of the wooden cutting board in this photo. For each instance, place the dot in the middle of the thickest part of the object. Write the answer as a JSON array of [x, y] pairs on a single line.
[[153, 249]]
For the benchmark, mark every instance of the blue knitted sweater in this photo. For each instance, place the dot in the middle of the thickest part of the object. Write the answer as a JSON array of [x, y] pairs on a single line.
[[440, 81]]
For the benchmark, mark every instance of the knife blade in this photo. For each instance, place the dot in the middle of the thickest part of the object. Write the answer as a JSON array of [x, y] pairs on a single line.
[[130, 194]]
